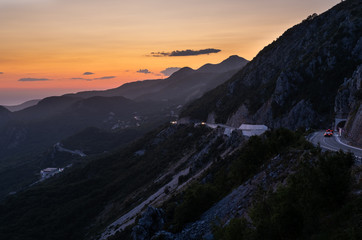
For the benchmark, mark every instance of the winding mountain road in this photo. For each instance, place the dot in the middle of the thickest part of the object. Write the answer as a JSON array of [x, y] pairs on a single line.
[[333, 143]]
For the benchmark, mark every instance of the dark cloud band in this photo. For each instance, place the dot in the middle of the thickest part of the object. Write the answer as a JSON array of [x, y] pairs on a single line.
[[182, 53], [33, 79]]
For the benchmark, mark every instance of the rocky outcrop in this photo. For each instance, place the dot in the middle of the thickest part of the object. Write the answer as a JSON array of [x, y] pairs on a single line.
[[348, 93], [354, 127], [152, 221], [348, 102]]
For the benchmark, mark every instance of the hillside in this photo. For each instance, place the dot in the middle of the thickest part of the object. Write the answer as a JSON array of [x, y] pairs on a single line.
[[55, 118], [114, 185], [28, 135], [293, 81], [189, 173]]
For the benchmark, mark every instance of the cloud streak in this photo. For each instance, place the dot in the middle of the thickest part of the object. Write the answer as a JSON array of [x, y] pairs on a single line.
[[106, 77], [33, 79], [183, 53], [1, 73], [145, 71], [91, 79]]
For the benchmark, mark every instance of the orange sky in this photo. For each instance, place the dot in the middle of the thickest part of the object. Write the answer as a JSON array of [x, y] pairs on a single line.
[[51, 43]]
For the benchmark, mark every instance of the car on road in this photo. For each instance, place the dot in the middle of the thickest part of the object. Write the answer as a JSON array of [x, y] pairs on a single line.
[[328, 133]]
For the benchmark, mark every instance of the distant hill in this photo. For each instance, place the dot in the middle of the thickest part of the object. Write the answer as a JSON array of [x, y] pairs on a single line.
[[22, 106], [128, 90], [45, 108], [55, 118]]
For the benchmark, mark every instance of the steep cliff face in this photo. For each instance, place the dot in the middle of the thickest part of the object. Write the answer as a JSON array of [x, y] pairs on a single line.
[[292, 82], [348, 102], [354, 126]]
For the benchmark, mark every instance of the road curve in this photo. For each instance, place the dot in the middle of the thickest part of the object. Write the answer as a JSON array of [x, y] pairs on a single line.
[[333, 144]]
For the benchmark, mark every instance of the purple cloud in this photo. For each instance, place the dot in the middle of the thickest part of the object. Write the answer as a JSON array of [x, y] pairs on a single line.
[[88, 73], [182, 53], [145, 71]]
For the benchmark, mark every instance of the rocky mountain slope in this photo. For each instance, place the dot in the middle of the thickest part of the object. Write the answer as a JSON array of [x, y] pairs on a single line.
[[348, 103], [292, 82]]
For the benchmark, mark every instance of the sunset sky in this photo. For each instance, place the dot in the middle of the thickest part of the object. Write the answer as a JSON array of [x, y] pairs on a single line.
[[51, 47]]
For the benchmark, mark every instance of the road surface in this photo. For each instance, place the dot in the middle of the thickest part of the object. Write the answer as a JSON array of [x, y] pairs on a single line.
[[333, 144]]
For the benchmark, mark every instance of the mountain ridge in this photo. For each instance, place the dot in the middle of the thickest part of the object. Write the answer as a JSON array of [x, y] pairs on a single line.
[[151, 89], [232, 62]]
